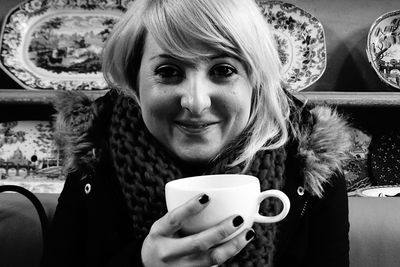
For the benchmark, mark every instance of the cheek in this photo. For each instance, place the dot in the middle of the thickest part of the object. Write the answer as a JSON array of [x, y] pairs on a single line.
[[158, 110], [247, 99], [243, 116], [157, 101], [239, 103], [151, 98]]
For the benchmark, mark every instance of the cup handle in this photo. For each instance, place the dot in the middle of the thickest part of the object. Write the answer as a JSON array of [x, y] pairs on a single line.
[[273, 219]]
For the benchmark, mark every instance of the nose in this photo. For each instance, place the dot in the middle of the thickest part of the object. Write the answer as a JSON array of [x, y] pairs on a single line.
[[196, 97]]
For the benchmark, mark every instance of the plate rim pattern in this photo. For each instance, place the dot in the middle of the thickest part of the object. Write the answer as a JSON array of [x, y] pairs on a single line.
[[11, 39], [289, 8], [368, 49]]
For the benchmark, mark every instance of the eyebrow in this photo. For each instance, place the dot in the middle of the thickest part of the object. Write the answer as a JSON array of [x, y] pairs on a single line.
[[171, 57], [163, 56], [222, 55], [168, 56]]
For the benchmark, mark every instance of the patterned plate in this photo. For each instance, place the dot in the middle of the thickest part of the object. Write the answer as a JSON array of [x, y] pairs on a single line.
[[356, 166], [383, 47], [385, 158], [56, 44], [301, 43], [27, 150]]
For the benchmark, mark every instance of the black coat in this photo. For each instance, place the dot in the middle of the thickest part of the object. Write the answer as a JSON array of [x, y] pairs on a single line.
[[315, 232], [91, 226]]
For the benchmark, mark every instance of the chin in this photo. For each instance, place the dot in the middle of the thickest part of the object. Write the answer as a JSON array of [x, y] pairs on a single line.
[[196, 156], [195, 159]]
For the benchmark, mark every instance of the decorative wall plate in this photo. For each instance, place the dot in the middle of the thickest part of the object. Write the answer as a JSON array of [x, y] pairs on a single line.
[[355, 167], [27, 150], [383, 47], [384, 158], [379, 191], [301, 43], [56, 44]]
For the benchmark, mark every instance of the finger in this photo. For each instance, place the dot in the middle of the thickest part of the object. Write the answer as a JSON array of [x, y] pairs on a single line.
[[203, 241], [225, 251], [171, 222]]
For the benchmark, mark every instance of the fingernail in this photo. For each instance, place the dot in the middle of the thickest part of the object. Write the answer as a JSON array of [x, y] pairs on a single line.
[[238, 220], [204, 199], [249, 235]]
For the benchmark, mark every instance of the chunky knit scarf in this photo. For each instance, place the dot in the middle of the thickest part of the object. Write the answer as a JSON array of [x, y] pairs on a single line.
[[143, 167]]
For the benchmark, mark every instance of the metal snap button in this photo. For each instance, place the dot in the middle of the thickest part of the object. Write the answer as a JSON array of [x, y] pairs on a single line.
[[88, 188], [300, 190]]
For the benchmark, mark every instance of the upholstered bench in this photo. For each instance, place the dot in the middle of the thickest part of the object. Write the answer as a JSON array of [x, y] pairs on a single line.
[[374, 230]]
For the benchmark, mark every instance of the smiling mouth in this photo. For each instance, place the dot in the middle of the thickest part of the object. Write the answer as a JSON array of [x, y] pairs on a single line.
[[195, 127]]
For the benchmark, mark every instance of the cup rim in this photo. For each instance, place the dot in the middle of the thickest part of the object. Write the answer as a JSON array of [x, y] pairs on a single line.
[[175, 183]]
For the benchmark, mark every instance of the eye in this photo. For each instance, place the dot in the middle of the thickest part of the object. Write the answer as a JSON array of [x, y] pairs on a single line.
[[223, 71], [169, 74]]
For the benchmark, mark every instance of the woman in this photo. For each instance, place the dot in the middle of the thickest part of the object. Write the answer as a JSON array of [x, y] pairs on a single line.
[[197, 91]]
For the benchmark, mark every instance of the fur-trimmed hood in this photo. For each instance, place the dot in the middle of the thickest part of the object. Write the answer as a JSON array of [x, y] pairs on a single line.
[[323, 145]]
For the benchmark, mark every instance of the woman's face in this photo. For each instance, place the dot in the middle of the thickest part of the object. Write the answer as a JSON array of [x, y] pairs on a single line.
[[193, 108]]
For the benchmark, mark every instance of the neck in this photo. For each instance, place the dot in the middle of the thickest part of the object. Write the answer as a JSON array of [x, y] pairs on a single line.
[[189, 169]]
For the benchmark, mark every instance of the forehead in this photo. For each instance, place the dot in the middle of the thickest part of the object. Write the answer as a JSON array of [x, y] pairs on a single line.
[[151, 47], [196, 51]]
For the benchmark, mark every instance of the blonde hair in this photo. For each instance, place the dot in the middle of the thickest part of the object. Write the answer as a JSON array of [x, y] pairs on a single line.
[[233, 27]]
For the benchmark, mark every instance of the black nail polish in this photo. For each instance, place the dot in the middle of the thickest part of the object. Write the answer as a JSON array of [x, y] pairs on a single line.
[[238, 220], [249, 235], [204, 199]]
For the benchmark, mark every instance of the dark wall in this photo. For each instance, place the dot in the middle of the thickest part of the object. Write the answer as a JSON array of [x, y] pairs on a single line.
[[346, 24]]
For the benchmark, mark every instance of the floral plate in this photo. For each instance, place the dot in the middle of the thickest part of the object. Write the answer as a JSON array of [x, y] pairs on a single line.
[[383, 47], [355, 167], [56, 44], [301, 43], [27, 150], [379, 191]]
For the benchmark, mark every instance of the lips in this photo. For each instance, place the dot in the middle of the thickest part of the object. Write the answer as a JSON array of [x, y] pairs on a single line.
[[194, 127]]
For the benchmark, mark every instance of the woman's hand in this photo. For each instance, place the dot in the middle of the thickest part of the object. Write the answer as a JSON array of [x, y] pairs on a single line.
[[163, 246]]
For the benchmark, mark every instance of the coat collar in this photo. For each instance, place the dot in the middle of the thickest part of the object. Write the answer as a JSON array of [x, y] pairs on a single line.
[[323, 147]]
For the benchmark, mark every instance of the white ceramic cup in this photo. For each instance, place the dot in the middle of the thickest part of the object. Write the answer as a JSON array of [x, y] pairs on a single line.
[[230, 194]]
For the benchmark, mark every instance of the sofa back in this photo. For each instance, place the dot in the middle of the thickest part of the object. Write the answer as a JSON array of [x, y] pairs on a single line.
[[20, 229], [374, 230]]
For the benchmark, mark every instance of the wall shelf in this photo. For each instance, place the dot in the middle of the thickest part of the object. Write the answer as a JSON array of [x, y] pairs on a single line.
[[370, 99], [35, 97], [352, 99]]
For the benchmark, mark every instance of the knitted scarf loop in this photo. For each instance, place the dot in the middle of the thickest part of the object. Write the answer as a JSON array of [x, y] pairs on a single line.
[[143, 168]]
